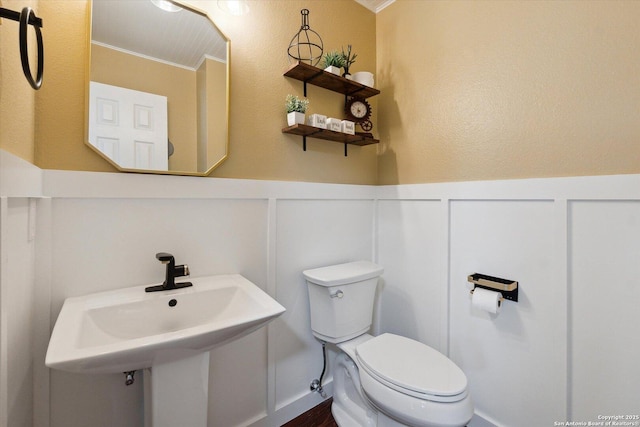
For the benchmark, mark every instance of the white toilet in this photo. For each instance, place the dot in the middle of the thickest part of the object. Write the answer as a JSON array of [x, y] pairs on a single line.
[[383, 381]]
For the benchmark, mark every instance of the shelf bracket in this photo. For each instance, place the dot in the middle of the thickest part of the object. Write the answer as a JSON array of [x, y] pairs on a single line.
[[309, 79], [304, 143], [345, 149], [355, 92]]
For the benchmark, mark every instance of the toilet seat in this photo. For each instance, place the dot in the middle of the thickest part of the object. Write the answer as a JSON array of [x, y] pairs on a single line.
[[412, 368]]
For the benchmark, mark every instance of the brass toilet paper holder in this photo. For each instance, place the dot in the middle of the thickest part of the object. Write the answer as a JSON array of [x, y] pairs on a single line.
[[508, 288]]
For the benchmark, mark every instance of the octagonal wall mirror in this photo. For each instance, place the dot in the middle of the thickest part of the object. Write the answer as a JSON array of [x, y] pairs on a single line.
[[158, 95]]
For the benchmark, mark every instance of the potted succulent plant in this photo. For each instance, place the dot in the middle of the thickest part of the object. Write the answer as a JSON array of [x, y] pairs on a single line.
[[296, 109], [333, 61], [349, 59]]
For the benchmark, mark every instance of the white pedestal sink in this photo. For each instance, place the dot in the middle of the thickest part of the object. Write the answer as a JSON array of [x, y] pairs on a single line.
[[170, 332]]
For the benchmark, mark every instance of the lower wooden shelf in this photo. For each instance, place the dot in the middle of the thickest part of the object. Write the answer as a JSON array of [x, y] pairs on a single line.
[[329, 135]]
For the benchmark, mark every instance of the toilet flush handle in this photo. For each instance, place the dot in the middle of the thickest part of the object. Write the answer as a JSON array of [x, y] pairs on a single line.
[[337, 294]]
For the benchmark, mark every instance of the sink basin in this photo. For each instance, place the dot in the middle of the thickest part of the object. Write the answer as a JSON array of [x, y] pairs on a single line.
[[128, 329]]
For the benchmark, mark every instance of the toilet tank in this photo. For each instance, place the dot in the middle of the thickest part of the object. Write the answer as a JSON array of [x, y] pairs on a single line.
[[341, 299]]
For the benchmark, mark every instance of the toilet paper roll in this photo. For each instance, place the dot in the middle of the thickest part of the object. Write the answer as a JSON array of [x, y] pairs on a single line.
[[486, 300]]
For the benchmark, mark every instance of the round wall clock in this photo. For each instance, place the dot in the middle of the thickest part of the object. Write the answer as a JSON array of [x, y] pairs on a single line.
[[357, 109]]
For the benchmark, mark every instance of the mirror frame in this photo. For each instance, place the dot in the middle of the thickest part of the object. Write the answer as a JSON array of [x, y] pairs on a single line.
[[87, 98]]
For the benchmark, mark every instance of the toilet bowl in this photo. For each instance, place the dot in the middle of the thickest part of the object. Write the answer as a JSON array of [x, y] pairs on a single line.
[[383, 381]]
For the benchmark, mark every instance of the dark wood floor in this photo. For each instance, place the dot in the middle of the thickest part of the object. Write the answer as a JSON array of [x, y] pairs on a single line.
[[320, 416]]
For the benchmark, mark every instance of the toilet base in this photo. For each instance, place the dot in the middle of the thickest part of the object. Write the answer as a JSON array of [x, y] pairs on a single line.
[[349, 407], [344, 419], [385, 421]]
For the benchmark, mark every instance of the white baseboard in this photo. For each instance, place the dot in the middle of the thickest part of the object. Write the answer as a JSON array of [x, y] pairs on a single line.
[[481, 420]]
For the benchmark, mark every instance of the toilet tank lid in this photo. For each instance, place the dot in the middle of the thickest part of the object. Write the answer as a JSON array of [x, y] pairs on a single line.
[[340, 274]]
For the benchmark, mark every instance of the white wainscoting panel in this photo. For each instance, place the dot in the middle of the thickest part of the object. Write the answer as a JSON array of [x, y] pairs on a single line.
[[514, 361], [566, 352], [310, 234], [412, 249], [604, 307], [17, 294]]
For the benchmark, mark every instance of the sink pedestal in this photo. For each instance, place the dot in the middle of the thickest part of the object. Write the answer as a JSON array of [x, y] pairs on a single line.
[[176, 392]]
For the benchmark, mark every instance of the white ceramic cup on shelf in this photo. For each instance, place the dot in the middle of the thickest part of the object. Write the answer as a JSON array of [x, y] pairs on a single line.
[[363, 77]]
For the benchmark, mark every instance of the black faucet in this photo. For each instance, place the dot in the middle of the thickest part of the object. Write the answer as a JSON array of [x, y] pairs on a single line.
[[173, 271]]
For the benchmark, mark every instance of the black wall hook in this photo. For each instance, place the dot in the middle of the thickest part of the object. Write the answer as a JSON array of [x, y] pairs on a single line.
[[25, 18]]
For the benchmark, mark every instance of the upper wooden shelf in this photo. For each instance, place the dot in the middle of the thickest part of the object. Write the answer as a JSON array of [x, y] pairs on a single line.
[[309, 74]]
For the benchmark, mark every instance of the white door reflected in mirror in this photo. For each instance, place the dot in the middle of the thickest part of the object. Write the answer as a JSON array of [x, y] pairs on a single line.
[[129, 126]]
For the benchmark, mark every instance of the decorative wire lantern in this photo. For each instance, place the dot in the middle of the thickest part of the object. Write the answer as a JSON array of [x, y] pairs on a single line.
[[306, 45]]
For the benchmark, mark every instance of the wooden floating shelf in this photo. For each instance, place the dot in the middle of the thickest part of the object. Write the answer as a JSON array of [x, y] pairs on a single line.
[[309, 74], [329, 135], [315, 76]]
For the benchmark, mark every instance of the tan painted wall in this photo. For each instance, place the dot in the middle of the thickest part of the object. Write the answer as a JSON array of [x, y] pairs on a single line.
[[470, 90], [17, 98], [259, 41], [60, 109], [475, 90]]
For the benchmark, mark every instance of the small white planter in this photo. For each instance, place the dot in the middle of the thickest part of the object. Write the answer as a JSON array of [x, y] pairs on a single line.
[[333, 70], [295, 118]]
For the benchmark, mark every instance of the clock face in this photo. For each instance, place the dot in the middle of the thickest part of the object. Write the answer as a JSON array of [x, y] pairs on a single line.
[[358, 109]]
